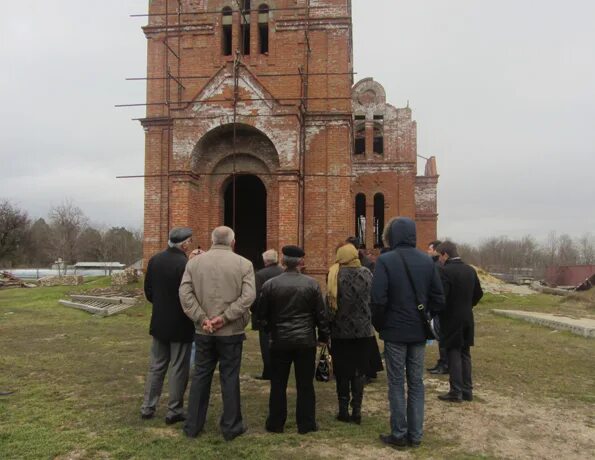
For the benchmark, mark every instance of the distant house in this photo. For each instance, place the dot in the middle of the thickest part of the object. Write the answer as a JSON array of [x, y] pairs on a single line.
[[569, 275], [107, 267]]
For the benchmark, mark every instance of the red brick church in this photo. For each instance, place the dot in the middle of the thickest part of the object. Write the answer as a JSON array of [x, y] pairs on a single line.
[[254, 121]]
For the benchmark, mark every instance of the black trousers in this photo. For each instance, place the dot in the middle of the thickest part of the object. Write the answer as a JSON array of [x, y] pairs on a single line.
[[443, 359], [228, 352], [303, 360], [459, 369], [350, 389], [265, 351]]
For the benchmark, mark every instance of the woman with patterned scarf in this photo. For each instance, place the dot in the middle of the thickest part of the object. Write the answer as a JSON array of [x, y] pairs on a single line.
[[351, 328]]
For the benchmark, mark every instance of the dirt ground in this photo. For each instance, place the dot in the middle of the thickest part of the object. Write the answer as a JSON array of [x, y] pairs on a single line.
[[511, 428]]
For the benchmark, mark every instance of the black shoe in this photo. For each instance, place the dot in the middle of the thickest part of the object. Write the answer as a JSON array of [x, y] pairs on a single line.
[[395, 443], [273, 430], [450, 397], [467, 396], [190, 434], [261, 377], [307, 430], [148, 416], [343, 417], [430, 369], [356, 418], [439, 370], [413, 444], [232, 436], [175, 419]]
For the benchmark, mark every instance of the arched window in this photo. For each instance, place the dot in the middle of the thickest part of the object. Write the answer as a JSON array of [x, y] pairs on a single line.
[[360, 137], [379, 135], [226, 35], [245, 28], [263, 29], [360, 217], [378, 219]]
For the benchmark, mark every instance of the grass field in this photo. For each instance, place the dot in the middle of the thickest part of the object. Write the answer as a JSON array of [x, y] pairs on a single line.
[[78, 382]]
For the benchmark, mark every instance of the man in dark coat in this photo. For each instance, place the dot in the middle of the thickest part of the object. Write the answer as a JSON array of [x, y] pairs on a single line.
[[396, 316], [462, 290], [291, 309], [270, 270], [441, 366], [171, 329]]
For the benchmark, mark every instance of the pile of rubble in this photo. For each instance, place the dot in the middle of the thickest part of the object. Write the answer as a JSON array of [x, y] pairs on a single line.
[[64, 280], [8, 280], [128, 276], [493, 285]]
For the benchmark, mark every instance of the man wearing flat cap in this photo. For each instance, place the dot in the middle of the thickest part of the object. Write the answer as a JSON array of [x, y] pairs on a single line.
[[217, 291], [171, 329], [291, 309]]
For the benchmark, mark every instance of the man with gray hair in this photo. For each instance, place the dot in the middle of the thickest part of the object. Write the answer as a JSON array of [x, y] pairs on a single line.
[[171, 329], [217, 291], [270, 270]]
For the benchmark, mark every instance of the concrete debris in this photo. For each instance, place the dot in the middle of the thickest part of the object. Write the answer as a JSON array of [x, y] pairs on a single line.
[[101, 306], [493, 285], [8, 280], [580, 326], [65, 280], [128, 276]]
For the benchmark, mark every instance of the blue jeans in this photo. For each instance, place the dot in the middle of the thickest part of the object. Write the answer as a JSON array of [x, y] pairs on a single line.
[[406, 419]]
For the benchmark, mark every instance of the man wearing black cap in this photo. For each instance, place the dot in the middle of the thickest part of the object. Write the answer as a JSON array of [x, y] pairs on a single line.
[[290, 309], [171, 329]]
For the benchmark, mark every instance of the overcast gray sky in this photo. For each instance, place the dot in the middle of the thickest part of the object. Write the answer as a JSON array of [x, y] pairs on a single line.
[[503, 92]]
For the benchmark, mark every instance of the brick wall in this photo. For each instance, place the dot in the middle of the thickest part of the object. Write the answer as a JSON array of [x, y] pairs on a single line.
[[304, 160]]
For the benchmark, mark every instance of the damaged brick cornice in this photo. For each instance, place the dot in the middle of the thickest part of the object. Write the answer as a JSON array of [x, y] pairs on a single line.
[[174, 30], [283, 25], [155, 121]]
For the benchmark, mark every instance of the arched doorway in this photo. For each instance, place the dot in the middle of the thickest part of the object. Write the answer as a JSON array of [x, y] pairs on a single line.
[[250, 223]]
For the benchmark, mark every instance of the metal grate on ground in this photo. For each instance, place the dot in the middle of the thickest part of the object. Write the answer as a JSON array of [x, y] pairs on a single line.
[[99, 305]]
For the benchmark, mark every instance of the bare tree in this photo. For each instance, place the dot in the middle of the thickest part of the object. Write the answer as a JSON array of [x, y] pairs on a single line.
[[586, 248], [13, 227], [121, 245], [90, 246], [567, 252], [67, 222], [39, 244]]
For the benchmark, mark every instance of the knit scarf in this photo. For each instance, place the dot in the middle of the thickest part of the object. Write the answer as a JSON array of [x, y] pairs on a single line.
[[347, 256]]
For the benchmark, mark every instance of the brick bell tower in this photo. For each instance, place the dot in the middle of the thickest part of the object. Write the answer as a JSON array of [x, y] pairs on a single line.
[[249, 124]]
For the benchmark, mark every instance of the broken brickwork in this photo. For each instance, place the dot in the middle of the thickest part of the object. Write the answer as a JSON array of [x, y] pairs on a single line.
[[286, 112]]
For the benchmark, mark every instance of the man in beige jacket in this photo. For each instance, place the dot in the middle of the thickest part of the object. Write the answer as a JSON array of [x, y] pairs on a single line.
[[216, 293]]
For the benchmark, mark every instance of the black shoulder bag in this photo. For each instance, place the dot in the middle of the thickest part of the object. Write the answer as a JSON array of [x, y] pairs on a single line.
[[431, 325]]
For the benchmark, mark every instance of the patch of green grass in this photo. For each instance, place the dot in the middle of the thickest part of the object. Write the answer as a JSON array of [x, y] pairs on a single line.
[[79, 384]]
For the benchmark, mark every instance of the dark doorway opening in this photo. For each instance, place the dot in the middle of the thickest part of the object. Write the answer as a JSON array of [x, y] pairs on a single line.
[[250, 224]]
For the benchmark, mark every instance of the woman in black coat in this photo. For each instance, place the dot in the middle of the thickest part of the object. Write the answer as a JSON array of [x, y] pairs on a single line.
[[351, 329]]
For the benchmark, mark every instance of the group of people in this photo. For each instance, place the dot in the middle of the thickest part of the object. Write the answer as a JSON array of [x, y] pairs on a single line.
[[211, 297]]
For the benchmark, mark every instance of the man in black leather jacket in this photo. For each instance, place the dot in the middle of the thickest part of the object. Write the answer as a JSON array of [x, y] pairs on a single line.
[[290, 309]]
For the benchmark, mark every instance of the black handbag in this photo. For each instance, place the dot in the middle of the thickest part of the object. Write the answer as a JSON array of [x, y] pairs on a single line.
[[431, 325], [324, 368]]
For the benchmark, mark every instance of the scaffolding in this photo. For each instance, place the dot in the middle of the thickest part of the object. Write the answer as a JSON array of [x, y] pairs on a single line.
[[173, 78]]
